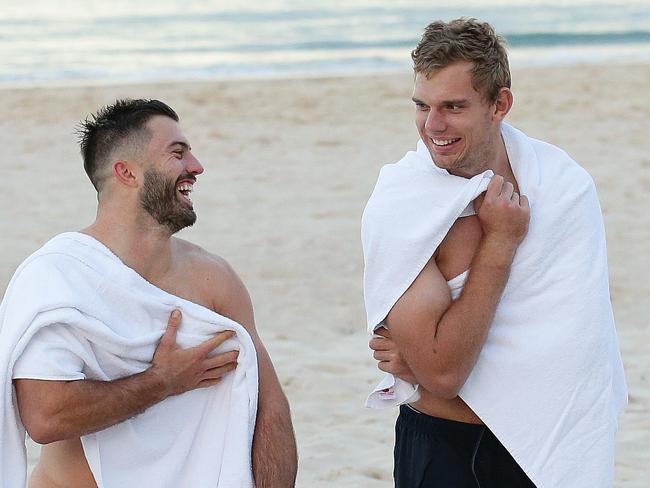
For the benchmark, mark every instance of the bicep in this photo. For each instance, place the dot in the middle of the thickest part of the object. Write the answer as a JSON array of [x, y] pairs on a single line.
[[34, 394], [233, 301], [228, 295], [418, 311], [239, 307], [43, 372], [37, 399]]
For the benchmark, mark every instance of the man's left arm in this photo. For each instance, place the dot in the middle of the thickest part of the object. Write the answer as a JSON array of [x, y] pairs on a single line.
[[275, 458]]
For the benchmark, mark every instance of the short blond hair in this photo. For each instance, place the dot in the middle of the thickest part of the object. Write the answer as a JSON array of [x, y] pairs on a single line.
[[465, 39]]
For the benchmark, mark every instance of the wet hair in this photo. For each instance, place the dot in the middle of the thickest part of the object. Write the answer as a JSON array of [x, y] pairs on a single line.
[[117, 125], [465, 39]]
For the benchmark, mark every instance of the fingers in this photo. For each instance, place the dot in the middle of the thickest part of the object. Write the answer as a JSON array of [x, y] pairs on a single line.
[[213, 376], [386, 367], [500, 188], [221, 360], [523, 202], [507, 190], [211, 344], [208, 383], [380, 344], [393, 367], [383, 331], [218, 373], [383, 355], [383, 342], [169, 337], [494, 187]]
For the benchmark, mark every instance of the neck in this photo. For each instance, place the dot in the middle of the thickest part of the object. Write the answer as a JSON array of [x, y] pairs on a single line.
[[141, 243], [495, 158], [501, 165]]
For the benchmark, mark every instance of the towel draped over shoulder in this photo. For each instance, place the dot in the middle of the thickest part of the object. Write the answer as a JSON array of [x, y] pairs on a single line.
[[549, 380], [201, 438]]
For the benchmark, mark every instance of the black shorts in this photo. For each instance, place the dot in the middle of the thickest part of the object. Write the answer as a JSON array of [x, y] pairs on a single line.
[[431, 452]]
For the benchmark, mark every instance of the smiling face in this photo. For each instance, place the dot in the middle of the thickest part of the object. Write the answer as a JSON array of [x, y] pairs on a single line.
[[169, 175], [459, 127]]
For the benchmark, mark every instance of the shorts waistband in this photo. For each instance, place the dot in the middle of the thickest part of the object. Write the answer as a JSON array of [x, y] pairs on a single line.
[[423, 423]]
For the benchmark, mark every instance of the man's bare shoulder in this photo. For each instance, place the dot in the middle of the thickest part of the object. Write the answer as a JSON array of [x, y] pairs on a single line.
[[202, 259], [218, 281]]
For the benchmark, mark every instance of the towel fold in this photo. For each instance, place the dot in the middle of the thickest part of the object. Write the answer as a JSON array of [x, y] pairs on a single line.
[[201, 438], [549, 380]]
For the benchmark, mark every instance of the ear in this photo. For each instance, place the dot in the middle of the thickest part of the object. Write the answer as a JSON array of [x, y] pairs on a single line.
[[502, 104], [124, 173]]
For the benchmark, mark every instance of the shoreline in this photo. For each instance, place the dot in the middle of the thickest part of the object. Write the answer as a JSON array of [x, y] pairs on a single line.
[[543, 64]]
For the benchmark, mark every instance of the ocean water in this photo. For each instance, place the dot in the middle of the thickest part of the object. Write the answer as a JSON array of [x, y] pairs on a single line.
[[64, 41]]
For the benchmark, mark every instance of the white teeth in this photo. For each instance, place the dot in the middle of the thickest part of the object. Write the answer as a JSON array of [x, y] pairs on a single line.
[[185, 189], [443, 142]]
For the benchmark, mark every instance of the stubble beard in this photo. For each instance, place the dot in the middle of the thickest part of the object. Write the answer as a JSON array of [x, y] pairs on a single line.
[[159, 199], [476, 160]]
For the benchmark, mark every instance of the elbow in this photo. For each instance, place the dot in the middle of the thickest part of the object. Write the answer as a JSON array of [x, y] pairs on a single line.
[[42, 427], [445, 386], [41, 430], [43, 416]]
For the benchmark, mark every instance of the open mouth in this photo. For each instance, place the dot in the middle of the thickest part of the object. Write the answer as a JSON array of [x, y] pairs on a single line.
[[444, 142], [185, 189]]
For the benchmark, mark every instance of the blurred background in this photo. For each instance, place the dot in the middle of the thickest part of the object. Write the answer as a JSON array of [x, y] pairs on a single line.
[[94, 40], [293, 107]]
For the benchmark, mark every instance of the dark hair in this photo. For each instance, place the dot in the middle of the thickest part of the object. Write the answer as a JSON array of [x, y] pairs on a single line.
[[465, 39], [113, 125]]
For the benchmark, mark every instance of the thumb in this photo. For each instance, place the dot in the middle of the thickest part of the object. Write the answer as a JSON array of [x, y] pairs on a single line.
[[169, 337]]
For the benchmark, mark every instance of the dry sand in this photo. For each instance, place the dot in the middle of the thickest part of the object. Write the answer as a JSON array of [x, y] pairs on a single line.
[[289, 166]]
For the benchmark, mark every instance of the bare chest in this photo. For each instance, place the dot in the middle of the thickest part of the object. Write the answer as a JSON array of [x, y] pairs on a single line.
[[190, 282]]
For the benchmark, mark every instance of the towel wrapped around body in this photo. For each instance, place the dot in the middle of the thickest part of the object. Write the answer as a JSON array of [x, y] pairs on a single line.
[[549, 380], [75, 287]]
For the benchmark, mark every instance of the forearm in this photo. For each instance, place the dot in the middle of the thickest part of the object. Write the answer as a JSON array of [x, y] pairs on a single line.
[[440, 339], [454, 341], [275, 459], [75, 408], [57, 410]]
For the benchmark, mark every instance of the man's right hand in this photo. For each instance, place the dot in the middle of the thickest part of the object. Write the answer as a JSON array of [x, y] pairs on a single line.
[[183, 370], [503, 213], [56, 410]]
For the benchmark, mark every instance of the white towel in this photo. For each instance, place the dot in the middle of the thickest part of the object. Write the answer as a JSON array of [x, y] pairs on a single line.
[[549, 380], [201, 438]]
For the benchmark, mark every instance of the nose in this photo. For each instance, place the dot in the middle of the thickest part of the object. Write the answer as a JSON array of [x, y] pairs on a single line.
[[193, 165], [435, 121]]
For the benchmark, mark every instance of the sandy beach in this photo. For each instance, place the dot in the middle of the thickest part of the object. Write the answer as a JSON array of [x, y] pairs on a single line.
[[289, 167]]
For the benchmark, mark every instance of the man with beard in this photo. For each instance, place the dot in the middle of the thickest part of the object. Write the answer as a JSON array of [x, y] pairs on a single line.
[[143, 169]]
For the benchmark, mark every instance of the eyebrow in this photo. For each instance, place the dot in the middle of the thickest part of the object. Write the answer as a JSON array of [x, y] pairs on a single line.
[[183, 144], [462, 101]]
